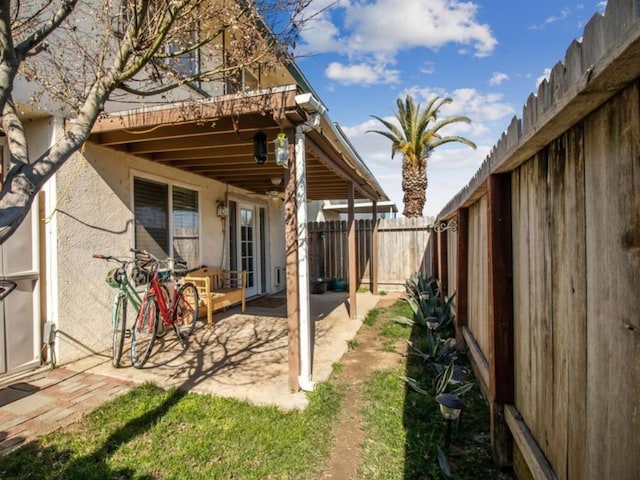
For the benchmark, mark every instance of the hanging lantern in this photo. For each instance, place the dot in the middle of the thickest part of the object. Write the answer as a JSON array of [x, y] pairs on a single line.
[[282, 150], [260, 148]]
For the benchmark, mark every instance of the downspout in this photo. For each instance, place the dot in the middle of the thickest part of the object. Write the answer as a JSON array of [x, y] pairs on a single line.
[[314, 109], [306, 360]]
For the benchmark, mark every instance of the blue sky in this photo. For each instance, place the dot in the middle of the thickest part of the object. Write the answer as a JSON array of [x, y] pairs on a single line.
[[487, 55]]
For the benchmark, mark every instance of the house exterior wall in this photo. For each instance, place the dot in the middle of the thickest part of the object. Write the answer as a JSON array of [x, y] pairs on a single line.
[[94, 190]]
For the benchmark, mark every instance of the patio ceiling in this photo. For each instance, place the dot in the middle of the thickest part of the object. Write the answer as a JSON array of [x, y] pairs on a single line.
[[199, 137]]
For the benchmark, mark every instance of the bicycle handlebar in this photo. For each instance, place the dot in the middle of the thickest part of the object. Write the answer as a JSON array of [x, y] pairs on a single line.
[[176, 264], [110, 258]]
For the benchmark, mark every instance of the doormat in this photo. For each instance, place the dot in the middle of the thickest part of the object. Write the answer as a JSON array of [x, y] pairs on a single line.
[[268, 302]]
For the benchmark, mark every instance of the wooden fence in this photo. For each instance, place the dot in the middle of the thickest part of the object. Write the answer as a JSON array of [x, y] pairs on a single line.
[[404, 248], [547, 261]]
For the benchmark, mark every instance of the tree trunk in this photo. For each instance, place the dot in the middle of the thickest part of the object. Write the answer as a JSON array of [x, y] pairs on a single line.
[[414, 187]]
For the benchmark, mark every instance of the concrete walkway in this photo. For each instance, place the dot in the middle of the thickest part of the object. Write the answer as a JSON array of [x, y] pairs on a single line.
[[243, 356]]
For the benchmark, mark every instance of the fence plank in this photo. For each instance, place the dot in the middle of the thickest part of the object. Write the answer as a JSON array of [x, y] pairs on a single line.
[[567, 235], [478, 296], [462, 268], [521, 267], [612, 186]]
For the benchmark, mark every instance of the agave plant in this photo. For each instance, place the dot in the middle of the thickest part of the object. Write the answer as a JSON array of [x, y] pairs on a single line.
[[424, 297], [452, 376], [436, 350]]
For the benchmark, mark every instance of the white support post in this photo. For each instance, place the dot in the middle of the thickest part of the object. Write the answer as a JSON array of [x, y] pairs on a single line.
[[306, 345]]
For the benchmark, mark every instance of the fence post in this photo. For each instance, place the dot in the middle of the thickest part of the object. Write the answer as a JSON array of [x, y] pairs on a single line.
[[462, 269], [443, 267], [353, 268], [436, 254], [373, 262], [501, 330]]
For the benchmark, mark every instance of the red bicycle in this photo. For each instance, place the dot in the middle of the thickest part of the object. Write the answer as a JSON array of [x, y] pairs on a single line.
[[159, 311]]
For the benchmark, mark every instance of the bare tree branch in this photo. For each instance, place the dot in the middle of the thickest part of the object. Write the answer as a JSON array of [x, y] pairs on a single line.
[[45, 30], [76, 54]]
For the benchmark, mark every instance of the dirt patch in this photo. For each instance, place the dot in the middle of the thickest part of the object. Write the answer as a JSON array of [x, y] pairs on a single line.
[[357, 366]]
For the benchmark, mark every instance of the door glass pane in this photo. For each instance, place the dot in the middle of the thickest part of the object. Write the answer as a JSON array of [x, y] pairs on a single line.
[[263, 255], [247, 246]]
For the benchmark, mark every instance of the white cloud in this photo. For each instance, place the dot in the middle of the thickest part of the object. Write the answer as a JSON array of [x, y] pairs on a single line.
[[456, 158], [391, 25], [321, 35], [372, 32], [498, 78], [545, 76], [360, 74], [563, 15], [428, 68]]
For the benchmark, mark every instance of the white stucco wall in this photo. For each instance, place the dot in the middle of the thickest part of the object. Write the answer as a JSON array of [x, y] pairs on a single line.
[[94, 215]]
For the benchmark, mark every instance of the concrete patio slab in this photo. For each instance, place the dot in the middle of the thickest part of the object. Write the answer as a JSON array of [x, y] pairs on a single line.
[[244, 356]]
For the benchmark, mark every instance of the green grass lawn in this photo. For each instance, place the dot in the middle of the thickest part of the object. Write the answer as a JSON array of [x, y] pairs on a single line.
[[151, 433]]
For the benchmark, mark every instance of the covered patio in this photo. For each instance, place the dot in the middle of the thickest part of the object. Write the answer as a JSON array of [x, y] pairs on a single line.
[[245, 356], [231, 139]]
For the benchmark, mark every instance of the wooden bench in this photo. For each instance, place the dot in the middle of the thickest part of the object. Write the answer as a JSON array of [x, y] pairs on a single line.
[[218, 289]]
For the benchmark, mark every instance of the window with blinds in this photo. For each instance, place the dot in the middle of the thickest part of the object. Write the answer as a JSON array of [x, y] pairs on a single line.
[[166, 220], [186, 231], [151, 216]]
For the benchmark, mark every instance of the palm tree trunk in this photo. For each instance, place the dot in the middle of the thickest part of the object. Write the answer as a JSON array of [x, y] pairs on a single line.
[[414, 187]]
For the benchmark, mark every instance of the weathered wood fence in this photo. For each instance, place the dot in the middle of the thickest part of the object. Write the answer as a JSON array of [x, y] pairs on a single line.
[[404, 247], [543, 250]]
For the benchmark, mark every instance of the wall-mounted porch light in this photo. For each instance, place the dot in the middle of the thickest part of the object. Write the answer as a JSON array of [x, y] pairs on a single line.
[[260, 148], [221, 209]]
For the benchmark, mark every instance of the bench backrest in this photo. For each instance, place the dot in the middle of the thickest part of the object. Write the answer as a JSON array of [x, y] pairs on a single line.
[[219, 278]]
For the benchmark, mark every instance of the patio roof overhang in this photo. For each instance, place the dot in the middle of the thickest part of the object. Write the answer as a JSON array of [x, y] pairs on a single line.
[[214, 138]]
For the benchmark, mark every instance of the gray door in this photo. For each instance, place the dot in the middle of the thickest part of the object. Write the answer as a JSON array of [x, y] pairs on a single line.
[[20, 336]]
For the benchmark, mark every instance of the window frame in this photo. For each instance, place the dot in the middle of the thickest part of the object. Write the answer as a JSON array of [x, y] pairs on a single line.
[[170, 184]]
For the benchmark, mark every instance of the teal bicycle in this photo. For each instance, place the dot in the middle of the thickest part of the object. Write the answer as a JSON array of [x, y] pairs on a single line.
[[125, 296]]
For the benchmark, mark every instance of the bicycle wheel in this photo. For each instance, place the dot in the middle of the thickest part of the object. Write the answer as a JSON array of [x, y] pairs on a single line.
[[185, 313], [119, 330], [144, 331]]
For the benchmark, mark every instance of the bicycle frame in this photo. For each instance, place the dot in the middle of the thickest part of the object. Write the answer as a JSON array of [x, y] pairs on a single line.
[[126, 289], [166, 313], [159, 305]]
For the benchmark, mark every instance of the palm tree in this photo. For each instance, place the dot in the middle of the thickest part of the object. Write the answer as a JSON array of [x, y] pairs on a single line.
[[416, 138]]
